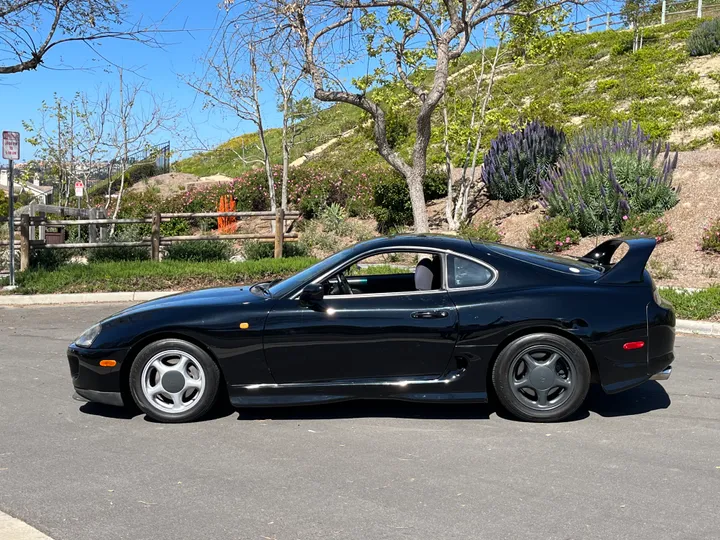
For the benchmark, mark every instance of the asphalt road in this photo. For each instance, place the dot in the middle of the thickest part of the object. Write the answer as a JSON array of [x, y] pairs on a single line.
[[640, 465]]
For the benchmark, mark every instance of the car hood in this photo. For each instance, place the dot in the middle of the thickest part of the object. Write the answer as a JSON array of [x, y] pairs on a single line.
[[203, 297]]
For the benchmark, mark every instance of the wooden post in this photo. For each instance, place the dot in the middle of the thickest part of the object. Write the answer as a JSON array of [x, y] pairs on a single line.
[[699, 11], [663, 12], [587, 25], [607, 21], [279, 232], [92, 228], [155, 237], [24, 242]]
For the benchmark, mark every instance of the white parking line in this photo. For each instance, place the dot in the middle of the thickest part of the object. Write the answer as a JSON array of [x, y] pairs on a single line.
[[14, 529]]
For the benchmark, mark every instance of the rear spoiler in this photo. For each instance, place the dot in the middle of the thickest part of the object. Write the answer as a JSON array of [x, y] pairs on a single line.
[[631, 267]]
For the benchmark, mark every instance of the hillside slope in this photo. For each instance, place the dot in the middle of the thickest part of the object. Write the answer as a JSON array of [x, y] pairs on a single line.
[[596, 79]]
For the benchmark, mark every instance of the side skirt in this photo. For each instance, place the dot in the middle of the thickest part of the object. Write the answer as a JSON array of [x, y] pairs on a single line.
[[419, 389]]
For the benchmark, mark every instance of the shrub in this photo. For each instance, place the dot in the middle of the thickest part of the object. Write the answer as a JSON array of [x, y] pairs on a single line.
[[118, 254], [200, 251], [4, 204], [518, 161], [49, 259], [392, 199], [711, 237], [255, 250], [608, 173], [705, 39], [553, 234], [646, 225], [483, 230]]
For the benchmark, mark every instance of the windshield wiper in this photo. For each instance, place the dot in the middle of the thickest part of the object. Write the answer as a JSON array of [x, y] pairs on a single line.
[[263, 288]]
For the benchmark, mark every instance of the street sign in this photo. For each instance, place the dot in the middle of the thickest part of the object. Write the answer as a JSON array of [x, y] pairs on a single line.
[[79, 186], [11, 145]]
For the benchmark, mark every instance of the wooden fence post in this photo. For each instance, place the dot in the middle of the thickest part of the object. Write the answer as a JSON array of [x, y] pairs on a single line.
[[699, 11], [92, 228], [607, 21], [279, 232], [155, 237], [587, 25], [24, 242], [663, 12]]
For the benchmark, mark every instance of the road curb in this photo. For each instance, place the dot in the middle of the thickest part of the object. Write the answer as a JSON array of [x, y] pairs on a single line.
[[81, 298], [14, 529], [703, 328]]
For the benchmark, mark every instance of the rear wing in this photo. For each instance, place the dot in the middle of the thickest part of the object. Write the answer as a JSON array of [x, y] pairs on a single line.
[[629, 269]]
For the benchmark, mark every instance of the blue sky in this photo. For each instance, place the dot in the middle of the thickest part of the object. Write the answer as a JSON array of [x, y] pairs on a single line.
[[22, 94]]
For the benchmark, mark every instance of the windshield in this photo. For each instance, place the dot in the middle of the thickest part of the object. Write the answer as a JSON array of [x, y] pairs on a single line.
[[293, 282]]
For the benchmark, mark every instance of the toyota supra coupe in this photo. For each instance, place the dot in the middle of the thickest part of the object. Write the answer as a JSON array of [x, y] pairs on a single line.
[[419, 317]]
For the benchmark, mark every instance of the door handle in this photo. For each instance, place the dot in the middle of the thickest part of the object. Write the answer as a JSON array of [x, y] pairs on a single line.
[[430, 314]]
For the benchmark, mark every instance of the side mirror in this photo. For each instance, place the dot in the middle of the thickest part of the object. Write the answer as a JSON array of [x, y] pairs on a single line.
[[311, 295]]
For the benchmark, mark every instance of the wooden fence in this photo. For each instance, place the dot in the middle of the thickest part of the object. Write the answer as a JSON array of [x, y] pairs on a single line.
[[97, 231]]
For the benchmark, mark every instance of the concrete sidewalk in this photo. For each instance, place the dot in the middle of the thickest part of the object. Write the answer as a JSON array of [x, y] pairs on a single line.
[[14, 529]]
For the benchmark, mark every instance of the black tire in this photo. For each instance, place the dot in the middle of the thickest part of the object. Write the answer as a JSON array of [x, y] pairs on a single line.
[[201, 368], [524, 394]]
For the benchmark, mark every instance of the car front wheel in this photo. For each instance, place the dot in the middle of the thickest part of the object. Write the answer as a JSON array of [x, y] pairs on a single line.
[[172, 380], [541, 377]]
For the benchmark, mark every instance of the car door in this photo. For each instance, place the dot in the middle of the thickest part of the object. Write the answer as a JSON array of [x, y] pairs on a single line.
[[361, 336]]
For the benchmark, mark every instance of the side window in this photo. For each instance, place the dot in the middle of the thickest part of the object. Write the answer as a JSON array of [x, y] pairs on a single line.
[[466, 273]]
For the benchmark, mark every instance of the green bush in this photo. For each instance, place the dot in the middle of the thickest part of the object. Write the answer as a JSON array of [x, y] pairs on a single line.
[[518, 161], [710, 240], [646, 225], [553, 234], [255, 250], [392, 199], [199, 251], [705, 39], [483, 230], [49, 259], [608, 173], [4, 204], [696, 305], [118, 254]]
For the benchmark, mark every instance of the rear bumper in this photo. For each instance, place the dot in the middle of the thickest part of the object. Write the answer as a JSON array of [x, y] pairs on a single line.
[[664, 375]]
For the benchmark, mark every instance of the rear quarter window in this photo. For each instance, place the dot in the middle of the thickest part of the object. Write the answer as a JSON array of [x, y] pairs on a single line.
[[463, 272]]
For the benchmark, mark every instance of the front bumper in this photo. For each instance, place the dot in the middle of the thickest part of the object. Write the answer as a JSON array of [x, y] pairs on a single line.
[[93, 381]]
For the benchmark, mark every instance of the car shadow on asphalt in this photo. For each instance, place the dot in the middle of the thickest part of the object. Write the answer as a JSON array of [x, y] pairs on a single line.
[[647, 397]]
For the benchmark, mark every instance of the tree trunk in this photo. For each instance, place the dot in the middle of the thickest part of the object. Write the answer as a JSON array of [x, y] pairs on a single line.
[[285, 155], [417, 198]]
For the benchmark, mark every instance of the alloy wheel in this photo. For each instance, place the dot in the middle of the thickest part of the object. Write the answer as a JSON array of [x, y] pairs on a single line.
[[173, 381]]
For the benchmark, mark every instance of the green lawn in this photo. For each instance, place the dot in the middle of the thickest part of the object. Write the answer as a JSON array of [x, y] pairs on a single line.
[[152, 276]]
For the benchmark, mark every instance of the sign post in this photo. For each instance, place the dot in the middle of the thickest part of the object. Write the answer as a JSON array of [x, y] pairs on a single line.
[[11, 152], [78, 195]]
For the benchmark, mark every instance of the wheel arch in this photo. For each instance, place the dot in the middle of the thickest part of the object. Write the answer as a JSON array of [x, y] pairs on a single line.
[[543, 329], [143, 342]]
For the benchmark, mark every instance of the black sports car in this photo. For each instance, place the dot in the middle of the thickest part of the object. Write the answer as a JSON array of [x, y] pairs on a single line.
[[425, 318]]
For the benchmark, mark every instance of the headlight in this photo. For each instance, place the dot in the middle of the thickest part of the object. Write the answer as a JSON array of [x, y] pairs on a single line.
[[88, 336]]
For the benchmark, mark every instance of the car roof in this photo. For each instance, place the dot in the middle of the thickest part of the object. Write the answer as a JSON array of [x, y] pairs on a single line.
[[436, 241]]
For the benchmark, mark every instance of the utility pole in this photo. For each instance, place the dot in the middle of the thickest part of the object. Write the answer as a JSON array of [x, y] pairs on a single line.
[[11, 152]]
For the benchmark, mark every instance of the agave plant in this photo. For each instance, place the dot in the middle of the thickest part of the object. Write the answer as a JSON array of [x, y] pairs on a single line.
[[518, 161], [608, 173]]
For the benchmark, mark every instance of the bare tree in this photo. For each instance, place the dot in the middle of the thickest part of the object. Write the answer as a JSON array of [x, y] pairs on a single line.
[[30, 29], [134, 119], [228, 84], [458, 196], [405, 34]]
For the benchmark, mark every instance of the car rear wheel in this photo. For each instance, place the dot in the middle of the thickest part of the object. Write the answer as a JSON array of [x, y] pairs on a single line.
[[174, 381], [541, 377]]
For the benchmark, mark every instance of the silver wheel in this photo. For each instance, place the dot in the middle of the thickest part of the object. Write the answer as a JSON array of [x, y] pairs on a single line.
[[173, 381]]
